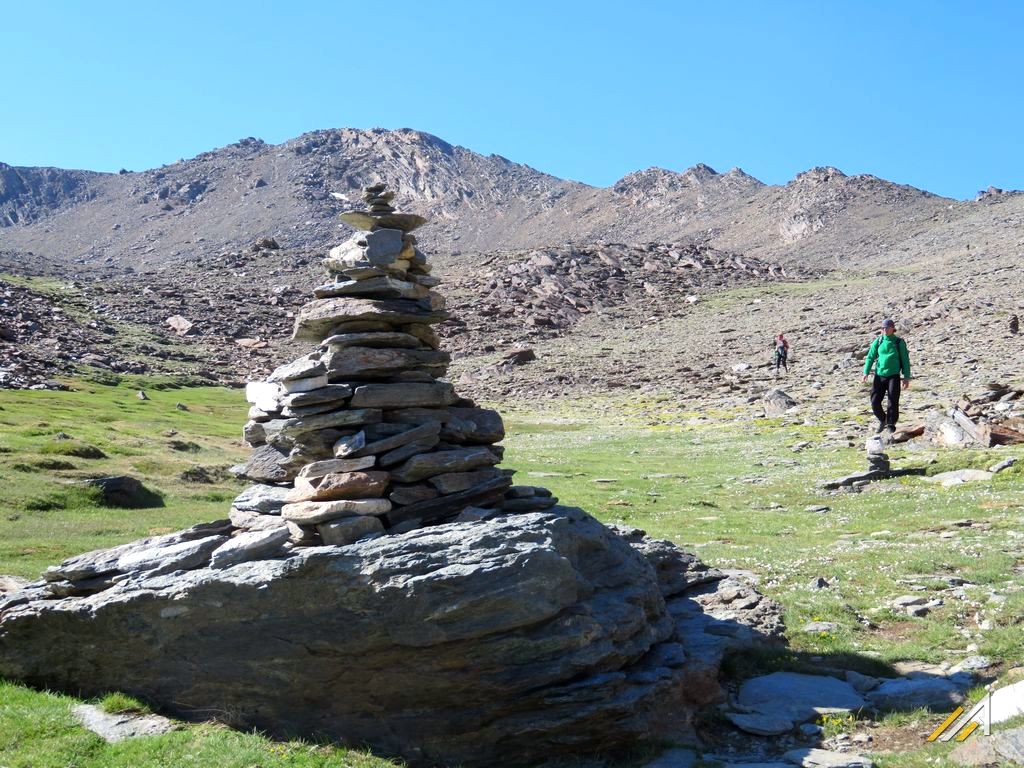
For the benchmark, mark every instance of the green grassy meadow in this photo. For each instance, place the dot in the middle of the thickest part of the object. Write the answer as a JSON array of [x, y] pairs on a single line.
[[50, 441], [740, 492]]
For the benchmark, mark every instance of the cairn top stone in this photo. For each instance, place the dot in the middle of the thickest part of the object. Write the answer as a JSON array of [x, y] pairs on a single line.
[[381, 214], [371, 195]]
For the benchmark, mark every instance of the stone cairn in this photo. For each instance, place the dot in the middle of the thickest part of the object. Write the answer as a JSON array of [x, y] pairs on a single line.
[[361, 437], [878, 459]]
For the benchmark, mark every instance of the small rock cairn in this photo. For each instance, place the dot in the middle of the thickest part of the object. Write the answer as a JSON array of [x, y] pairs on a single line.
[[878, 459], [361, 436]]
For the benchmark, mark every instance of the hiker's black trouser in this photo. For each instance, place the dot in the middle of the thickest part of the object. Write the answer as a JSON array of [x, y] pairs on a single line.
[[780, 360], [882, 386]]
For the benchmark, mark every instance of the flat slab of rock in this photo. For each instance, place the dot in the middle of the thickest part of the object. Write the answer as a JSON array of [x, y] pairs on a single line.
[[118, 727], [486, 492], [473, 425], [869, 476], [383, 287], [422, 434], [342, 485], [165, 558], [958, 476], [303, 368], [252, 545], [381, 339], [306, 384], [759, 724], [317, 318], [364, 220], [798, 697], [328, 466], [106, 561], [404, 395], [267, 464], [347, 530], [999, 466], [453, 482], [410, 494], [398, 455], [262, 499], [332, 393], [428, 464], [363, 362], [254, 521], [822, 758], [936, 693], [293, 428], [313, 512]]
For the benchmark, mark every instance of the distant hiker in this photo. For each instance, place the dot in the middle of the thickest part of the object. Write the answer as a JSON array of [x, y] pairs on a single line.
[[781, 354], [888, 354]]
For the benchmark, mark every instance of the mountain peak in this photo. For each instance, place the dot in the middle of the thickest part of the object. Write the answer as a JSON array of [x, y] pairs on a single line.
[[819, 173], [737, 174], [700, 172], [219, 200]]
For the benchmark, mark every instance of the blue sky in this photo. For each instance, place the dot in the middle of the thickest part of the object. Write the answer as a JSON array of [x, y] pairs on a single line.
[[922, 93]]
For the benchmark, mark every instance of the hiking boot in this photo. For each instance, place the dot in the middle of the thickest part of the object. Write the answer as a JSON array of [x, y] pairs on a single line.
[[880, 428]]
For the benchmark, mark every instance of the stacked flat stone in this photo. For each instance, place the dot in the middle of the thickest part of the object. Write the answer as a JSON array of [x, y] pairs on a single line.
[[879, 462], [361, 436], [878, 459]]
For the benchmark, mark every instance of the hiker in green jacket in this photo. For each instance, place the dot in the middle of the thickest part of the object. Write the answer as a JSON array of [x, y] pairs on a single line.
[[888, 354]]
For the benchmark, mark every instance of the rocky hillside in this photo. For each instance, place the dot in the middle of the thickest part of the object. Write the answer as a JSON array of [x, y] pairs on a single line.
[[30, 194], [229, 317], [222, 200], [663, 282]]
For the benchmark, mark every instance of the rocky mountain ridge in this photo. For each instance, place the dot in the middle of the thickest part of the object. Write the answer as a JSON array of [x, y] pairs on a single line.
[[30, 194], [222, 199], [822, 258]]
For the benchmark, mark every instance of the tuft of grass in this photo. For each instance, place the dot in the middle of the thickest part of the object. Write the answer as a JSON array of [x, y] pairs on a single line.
[[835, 723], [37, 730], [744, 663], [53, 465], [185, 446], [205, 475], [118, 703], [67, 498], [73, 448]]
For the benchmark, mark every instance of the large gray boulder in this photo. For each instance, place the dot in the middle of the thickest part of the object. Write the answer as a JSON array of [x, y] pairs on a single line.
[[502, 641], [777, 403]]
